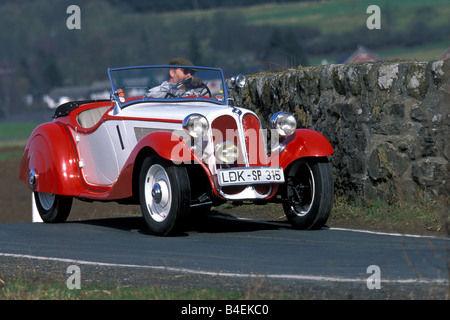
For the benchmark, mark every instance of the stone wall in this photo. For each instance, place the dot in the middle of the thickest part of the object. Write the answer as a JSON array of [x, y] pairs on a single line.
[[387, 121]]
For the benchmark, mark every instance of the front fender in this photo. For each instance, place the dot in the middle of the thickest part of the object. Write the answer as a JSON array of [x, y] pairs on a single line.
[[303, 143], [167, 145], [50, 152]]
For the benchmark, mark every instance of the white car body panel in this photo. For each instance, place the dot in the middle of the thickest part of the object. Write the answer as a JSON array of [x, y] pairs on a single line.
[[104, 152]]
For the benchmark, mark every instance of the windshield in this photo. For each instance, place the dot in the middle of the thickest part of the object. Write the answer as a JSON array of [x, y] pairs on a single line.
[[167, 83]]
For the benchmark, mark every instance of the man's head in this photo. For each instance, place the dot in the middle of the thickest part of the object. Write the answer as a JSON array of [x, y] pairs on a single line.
[[180, 74], [180, 62]]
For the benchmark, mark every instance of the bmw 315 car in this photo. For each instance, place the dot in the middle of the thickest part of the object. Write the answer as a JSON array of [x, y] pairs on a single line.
[[176, 150]]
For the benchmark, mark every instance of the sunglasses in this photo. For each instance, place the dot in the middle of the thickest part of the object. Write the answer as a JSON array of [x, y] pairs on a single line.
[[186, 70]]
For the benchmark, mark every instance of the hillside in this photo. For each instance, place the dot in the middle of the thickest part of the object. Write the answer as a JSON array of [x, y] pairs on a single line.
[[39, 52]]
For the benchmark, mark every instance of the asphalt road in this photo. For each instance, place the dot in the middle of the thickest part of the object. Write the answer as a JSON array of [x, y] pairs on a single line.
[[232, 250]]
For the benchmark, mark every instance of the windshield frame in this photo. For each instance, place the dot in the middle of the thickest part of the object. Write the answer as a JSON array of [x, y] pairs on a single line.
[[124, 104]]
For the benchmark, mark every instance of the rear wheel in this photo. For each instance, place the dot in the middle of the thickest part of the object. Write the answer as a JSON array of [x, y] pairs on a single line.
[[53, 207], [308, 193], [164, 193]]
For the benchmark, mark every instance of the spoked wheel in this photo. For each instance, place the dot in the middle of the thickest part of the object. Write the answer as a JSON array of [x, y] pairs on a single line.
[[308, 193], [164, 193], [53, 207]]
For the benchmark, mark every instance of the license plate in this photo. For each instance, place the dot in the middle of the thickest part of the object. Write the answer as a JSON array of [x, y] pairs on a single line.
[[251, 175]]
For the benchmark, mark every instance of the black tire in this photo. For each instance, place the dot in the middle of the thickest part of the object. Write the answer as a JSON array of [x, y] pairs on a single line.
[[53, 208], [308, 193], [164, 193]]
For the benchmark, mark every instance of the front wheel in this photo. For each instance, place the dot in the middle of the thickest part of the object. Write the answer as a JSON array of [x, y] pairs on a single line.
[[53, 207], [164, 193], [308, 193]]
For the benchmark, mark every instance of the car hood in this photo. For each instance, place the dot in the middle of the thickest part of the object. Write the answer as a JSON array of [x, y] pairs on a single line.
[[175, 111]]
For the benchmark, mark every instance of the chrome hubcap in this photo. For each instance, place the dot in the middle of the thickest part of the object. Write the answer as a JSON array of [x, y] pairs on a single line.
[[158, 193], [32, 179], [47, 200], [302, 190]]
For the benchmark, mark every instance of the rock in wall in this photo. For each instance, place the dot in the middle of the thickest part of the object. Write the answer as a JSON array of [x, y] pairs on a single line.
[[387, 121]]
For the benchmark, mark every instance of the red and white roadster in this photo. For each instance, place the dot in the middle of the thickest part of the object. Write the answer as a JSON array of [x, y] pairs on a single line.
[[176, 149]]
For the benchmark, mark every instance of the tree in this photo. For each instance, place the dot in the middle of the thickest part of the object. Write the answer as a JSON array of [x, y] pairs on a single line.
[[284, 50], [194, 53]]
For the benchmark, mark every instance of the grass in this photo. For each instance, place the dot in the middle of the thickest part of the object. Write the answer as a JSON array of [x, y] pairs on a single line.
[[34, 285], [11, 155], [422, 216], [22, 289], [421, 53], [325, 16], [16, 131], [335, 16], [13, 138]]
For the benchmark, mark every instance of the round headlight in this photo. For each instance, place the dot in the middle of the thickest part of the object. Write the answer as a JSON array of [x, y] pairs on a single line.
[[239, 81], [284, 122], [196, 125], [227, 152]]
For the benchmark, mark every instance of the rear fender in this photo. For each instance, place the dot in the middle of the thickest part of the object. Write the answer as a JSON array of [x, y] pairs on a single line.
[[303, 143], [51, 155]]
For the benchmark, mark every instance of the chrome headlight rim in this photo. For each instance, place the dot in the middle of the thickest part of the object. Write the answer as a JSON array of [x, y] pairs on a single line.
[[196, 125], [284, 122], [239, 81], [226, 152]]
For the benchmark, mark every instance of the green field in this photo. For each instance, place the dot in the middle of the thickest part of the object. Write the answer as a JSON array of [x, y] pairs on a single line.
[[426, 53], [329, 16], [346, 16], [13, 138], [342, 15], [16, 131]]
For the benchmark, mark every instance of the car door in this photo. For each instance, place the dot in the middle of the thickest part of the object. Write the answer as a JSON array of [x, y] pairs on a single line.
[[98, 159]]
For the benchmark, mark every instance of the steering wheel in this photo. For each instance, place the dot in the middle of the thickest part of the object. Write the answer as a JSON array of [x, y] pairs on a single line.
[[187, 84], [204, 86], [170, 95]]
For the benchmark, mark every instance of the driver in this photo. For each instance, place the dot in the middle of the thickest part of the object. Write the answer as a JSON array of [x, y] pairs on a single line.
[[180, 79]]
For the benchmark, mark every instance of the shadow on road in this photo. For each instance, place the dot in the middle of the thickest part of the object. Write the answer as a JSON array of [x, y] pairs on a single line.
[[213, 223]]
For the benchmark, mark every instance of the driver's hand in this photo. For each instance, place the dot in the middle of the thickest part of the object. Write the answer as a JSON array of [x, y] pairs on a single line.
[[196, 81], [190, 83]]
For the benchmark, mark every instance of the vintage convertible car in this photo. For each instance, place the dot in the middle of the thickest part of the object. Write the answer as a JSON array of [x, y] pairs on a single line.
[[176, 150]]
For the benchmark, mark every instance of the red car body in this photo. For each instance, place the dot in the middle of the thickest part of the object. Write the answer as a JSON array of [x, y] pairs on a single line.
[[96, 150]]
